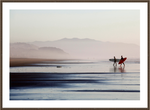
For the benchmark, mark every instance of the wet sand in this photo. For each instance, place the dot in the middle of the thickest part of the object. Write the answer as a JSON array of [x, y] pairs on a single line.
[[27, 61], [44, 79], [74, 86], [73, 80]]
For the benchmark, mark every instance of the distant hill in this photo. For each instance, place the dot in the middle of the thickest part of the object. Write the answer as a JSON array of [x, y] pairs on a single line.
[[24, 46], [89, 48], [51, 49], [25, 50], [76, 40]]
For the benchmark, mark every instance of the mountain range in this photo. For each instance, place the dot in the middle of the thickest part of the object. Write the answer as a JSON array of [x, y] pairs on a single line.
[[25, 50], [90, 48], [74, 48]]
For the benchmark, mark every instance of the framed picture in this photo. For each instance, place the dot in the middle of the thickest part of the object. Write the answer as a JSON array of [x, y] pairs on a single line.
[[75, 54]]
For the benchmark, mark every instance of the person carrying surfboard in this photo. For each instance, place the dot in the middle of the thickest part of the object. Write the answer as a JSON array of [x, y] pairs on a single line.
[[122, 60], [115, 61]]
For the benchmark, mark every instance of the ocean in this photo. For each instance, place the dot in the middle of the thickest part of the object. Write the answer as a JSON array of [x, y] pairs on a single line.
[[76, 80]]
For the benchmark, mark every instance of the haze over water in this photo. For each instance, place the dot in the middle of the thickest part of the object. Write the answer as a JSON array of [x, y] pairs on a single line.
[[77, 66]]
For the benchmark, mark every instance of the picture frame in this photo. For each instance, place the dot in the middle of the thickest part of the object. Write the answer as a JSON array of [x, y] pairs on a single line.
[[65, 103]]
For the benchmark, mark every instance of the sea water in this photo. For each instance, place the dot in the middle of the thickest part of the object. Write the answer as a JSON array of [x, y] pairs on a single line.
[[76, 80], [76, 66]]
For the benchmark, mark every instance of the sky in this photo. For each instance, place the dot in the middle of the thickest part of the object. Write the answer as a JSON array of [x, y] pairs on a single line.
[[49, 25]]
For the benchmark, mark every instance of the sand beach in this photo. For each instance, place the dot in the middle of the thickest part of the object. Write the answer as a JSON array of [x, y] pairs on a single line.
[[27, 61], [41, 79]]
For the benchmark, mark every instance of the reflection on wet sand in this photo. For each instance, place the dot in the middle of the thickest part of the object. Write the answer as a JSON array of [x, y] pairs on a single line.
[[75, 80], [120, 69], [74, 86]]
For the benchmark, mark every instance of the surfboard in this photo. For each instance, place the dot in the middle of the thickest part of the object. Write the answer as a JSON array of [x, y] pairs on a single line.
[[121, 61], [117, 60]]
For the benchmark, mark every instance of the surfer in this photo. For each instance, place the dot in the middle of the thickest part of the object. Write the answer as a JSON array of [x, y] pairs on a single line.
[[115, 61], [123, 62]]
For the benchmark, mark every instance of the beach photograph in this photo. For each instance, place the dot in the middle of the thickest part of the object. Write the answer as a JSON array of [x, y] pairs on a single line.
[[74, 55], [64, 54]]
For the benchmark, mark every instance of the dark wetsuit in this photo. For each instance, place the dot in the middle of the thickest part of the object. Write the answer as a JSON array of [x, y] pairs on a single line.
[[115, 61], [122, 59]]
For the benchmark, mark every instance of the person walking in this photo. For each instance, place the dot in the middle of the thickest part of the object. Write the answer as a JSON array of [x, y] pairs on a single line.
[[123, 62], [115, 61]]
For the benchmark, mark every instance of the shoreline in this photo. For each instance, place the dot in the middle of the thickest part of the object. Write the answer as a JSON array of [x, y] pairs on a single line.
[[14, 62]]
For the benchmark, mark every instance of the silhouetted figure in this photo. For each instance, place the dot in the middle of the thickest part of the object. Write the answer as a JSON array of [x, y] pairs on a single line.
[[115, 64], [123, 62]]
